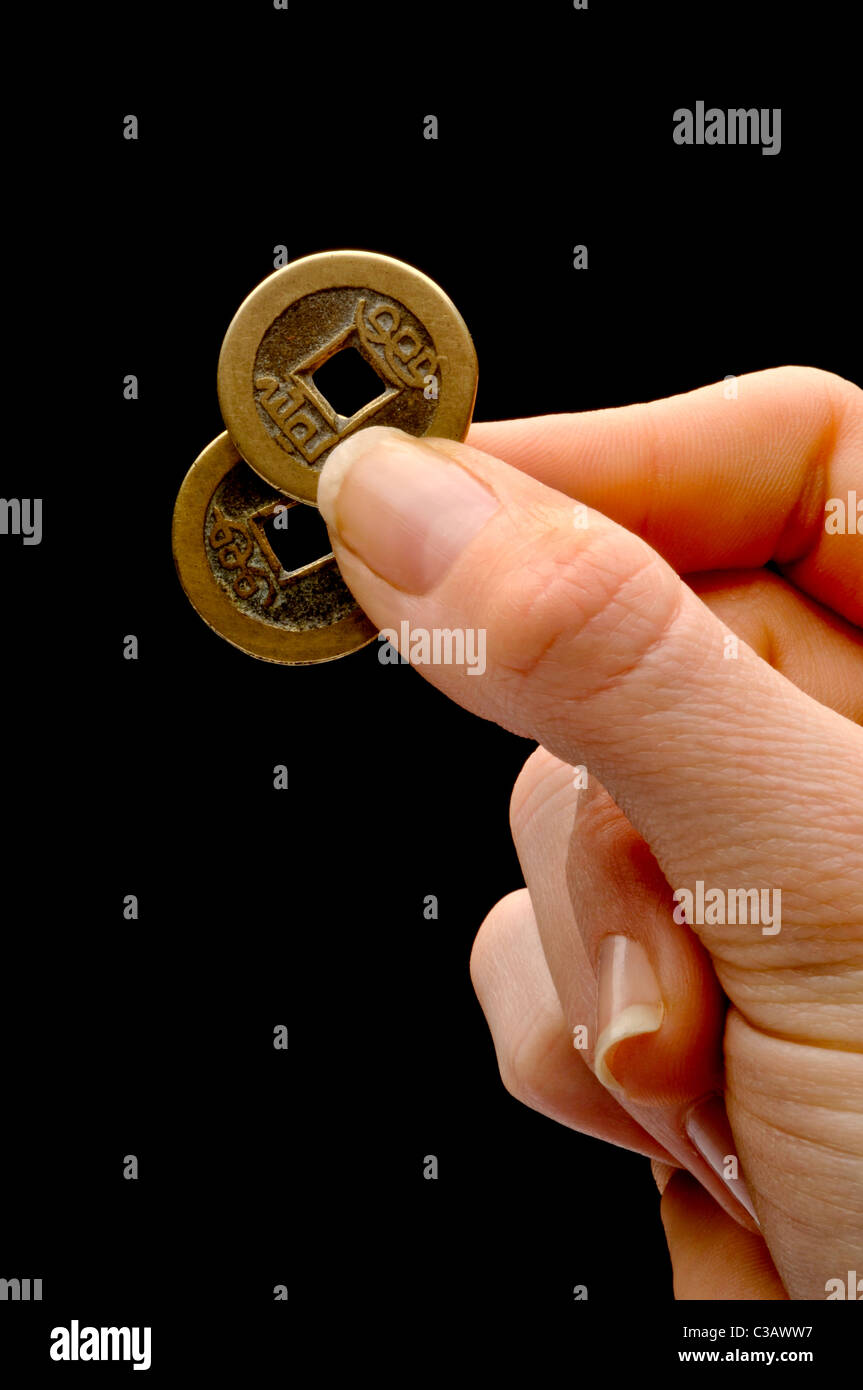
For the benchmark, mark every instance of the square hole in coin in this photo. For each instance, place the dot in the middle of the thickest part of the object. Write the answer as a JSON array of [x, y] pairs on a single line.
[[348, 382], [302, 540]]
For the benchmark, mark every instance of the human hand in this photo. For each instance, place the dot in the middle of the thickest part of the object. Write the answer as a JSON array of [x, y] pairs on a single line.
[[737, 767]]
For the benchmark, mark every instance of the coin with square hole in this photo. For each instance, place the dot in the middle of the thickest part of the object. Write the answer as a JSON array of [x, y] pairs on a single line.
[[335, 342], [258, 567]]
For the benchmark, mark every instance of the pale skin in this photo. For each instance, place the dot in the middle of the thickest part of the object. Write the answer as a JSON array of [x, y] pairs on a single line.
[[608, 645]]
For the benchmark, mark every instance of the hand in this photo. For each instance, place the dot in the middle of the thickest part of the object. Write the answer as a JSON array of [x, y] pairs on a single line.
[[717, 721]]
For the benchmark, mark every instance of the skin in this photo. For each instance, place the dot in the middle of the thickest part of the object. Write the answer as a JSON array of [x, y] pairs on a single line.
[[606, 644]]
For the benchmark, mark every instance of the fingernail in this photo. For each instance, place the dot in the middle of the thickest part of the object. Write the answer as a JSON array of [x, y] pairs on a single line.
[[707, 1126], [662, 1173], [406, 510], [629, 1001]]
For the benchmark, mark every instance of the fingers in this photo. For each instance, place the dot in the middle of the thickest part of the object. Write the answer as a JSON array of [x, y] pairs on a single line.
[[713, 482], [662, 1173], [537, 1061], [712, 1257], [634, 986], [736, 780], [820, 652]]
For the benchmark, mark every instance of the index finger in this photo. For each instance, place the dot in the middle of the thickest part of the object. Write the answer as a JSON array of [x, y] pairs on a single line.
[[715, 480]]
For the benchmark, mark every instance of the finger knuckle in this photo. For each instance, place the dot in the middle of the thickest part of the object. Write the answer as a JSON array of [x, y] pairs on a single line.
[[577, 617]]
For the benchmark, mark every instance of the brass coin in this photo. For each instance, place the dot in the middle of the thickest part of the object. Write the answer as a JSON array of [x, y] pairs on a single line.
[[399, 321], [223, 549]]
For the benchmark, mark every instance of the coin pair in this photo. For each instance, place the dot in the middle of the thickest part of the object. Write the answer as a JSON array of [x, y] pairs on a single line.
[[246, 504]]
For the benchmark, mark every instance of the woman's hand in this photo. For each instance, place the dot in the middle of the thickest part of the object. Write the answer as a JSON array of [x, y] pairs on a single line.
[[692, 733]]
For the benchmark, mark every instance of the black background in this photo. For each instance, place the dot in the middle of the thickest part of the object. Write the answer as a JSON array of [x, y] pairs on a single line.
[[155, 777]]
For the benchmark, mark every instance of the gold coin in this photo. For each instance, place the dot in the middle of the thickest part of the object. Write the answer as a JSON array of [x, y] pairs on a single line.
[[224, 549], [419, 358]]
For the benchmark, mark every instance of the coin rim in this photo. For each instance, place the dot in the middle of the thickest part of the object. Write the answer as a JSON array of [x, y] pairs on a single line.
[[329, 270], [209, 599]]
